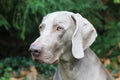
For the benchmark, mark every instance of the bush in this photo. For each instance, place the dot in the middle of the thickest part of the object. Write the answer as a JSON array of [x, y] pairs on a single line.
[[19, 20], [18, 17], [24, 12], [17, 64]]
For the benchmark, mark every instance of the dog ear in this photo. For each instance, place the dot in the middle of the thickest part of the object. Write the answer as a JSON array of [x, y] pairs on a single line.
[[84, 35]]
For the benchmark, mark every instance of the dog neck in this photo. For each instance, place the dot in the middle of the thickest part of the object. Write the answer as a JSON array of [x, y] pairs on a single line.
[[70, 68], [67, 65]]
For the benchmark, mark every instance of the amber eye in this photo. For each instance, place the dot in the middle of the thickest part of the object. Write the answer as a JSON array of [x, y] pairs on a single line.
[[59, 28], [41, 28]]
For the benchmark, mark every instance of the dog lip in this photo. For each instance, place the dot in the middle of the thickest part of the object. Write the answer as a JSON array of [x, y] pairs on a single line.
[[44, 59], [35, 54]]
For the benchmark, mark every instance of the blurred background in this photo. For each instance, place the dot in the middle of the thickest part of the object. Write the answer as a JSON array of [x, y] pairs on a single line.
[[19, 21]]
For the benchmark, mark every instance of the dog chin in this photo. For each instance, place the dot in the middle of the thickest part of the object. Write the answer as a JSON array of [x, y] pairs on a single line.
[[47, 61]]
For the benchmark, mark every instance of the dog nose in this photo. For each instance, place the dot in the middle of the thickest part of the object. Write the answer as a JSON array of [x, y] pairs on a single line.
[[35, 50]]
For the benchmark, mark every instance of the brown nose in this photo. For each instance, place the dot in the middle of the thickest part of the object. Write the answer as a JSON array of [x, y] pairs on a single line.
[[35, 50]]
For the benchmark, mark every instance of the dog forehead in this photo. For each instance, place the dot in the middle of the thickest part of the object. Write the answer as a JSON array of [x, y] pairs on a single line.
[[59, 18], [64, 18]]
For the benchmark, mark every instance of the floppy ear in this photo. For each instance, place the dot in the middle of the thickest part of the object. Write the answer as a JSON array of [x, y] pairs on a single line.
[[83, 36]]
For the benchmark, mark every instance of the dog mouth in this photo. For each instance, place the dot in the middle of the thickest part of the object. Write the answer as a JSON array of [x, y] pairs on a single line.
[[45, 59]]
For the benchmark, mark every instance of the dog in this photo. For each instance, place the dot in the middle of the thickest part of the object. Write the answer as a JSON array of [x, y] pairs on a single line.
[[66, 37]]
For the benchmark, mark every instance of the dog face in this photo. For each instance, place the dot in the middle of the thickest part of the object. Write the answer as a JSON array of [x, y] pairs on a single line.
[[62, 32], [56, 31]]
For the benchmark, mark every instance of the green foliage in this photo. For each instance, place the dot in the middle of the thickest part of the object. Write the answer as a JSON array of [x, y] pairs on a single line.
[[24, 12], [117, 1], [108, 40], [17, 64], [6, 70], [3, 22], [21, 18]]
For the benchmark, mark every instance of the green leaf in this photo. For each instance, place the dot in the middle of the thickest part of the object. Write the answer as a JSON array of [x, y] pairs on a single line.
[[117, 1], [3, 22]]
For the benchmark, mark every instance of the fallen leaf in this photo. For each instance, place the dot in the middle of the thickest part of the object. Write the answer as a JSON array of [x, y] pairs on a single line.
[[115, 65], [117, 78], [33, 74], [107, 61], [17, 78], [24, 73], [110, 51], [119, 74], [119, 45], [118, 58], [14, 74], [13, 78]]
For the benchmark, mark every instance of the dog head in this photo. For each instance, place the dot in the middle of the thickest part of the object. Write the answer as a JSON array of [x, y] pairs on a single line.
[[60, 32]]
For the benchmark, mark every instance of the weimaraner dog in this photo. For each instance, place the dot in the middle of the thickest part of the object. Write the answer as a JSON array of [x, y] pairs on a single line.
[[66, 37]]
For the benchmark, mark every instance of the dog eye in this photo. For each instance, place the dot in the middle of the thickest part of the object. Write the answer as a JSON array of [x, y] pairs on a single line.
[[59, 28], [41, 28]]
